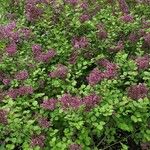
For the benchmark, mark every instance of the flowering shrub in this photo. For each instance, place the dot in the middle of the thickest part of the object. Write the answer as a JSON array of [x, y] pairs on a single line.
[[74, 74]]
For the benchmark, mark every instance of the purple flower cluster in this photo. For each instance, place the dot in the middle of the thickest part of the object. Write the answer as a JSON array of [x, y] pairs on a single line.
[[102, 33], [143, 62], [72, 2], [138, 91], [118, 47], [84, 17], [147, 39], [11, 49], [38, 140], [6, 81], [84, 5], [49, 104], [7, 32], [91, 100], [133, 37], [22, 75], [21, 91], [60, 72], [127, 18], [36, 49], [73, 57], [69, 101], [3, 117], [80, 42], [75, 147], [46, 57], [96, 75], [123, 6], [43, 122], [25, 33], [32, 11]]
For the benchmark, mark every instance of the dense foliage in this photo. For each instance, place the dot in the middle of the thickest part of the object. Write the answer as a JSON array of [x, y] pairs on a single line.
[[74, 74]]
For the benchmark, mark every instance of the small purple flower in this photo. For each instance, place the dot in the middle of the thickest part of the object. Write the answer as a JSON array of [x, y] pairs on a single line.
[[84, 17], [22, 75], [138, 91], [3, 117], [75, 147], [69, 101], [43, 122], [91, 100], [60, 72], [95, 76], [127, 18], [143, 62], [49, 104], [11, 49], [38, 140], [102, 33]]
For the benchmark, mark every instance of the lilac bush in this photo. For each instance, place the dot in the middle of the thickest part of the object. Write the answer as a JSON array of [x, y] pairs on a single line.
[[74, 74]]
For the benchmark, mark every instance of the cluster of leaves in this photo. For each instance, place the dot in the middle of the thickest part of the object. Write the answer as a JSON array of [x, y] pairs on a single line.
[[74, 74]]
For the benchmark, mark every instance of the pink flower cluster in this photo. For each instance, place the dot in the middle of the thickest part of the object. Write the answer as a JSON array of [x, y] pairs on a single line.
[[49, 104], [143, 62], [3, 117], [21, 91], [38, 140], [22, 75], [60, 72], [97, 75], [138, 91], [80, 42]]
